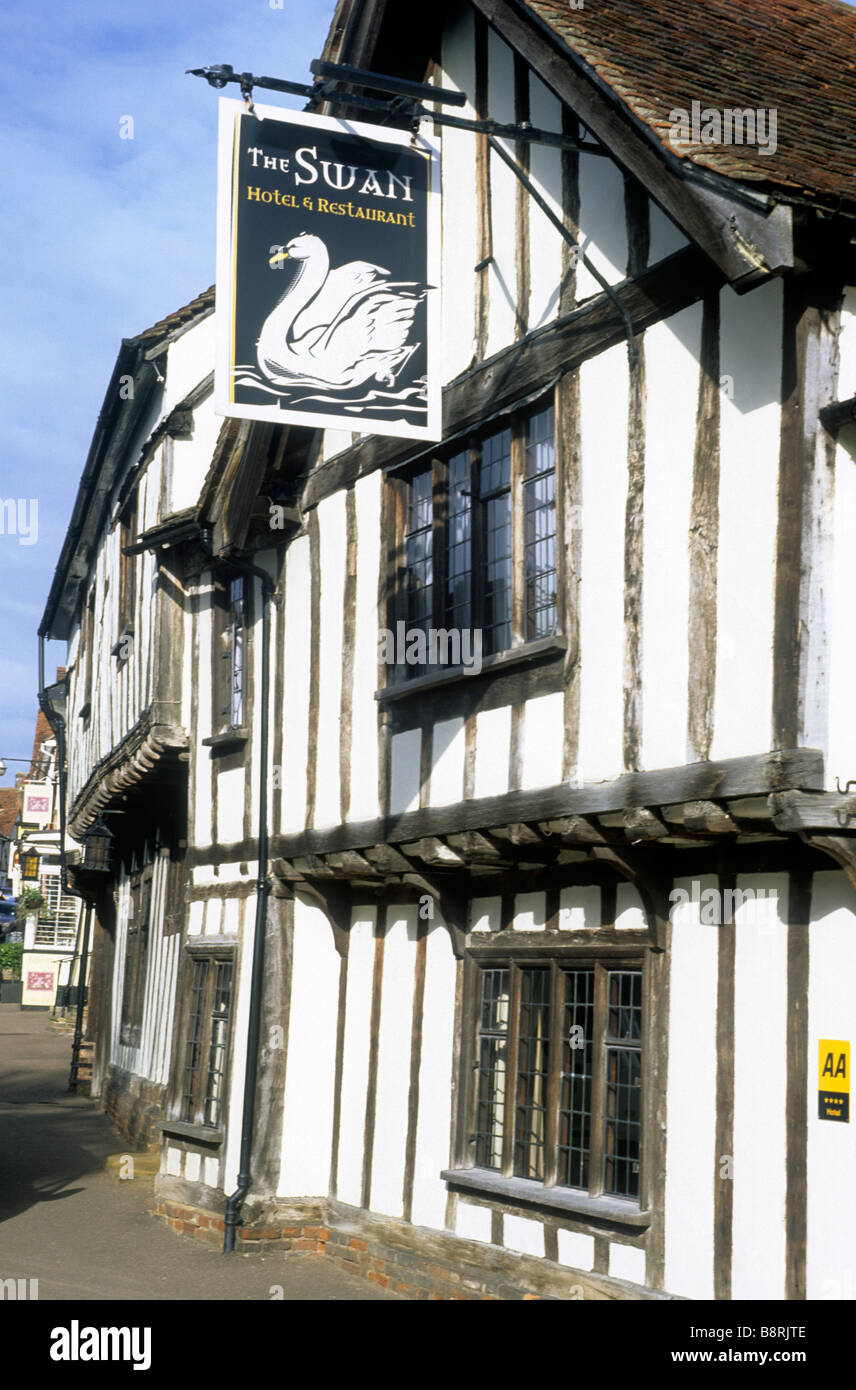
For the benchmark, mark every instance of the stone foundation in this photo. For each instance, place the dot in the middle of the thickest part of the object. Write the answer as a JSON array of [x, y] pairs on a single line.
[[134, 1105]]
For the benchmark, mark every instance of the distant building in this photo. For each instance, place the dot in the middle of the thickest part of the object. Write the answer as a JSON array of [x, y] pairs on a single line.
[[50, 940]]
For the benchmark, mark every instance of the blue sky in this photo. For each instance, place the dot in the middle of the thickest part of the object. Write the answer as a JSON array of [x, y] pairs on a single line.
[[101, 237]]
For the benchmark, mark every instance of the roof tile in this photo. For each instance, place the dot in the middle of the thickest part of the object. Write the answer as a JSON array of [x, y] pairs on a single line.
[[794, 57]]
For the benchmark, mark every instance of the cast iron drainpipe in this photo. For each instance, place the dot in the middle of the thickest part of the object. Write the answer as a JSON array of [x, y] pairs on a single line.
[[234, 1203]]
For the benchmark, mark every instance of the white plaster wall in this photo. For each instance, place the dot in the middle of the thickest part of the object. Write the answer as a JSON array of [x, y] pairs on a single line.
[[188, 361], [335, 442], [240, 1028], [364, 717], [355, 1065], [472, 1222], [603, 223], [522, 1234], [543, 736], [692, 1165], [627, 1262], [393, 1067], [267, 560], [603, 423], [311, 1059], [485, 914], [529, 911], [404, 775], [447, 763], [841, 761], [665, 237], [502, 271], [545, 243], [579, 908], [194, 921], [760, 1081], [331, 519], [118, 1053], [204, 764], [459, 211], [629, 913], [576, 1249], [493, 751], [847, 346], [671, 368], [296, 685], [230, 805], [213, 916], [831, 1214], [436, 1081], [750, 357], [191, 458]]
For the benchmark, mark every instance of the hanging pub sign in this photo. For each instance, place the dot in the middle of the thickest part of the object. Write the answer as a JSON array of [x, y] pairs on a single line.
[[327, 273]]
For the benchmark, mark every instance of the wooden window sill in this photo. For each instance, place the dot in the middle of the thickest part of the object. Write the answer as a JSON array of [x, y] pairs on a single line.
[[199, 1134], [539, 650], [230, 738], [618, 1211]]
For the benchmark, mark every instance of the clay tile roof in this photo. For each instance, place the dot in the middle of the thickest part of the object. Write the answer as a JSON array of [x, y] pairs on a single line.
[[10, 800], [794, 57], [200, 305]]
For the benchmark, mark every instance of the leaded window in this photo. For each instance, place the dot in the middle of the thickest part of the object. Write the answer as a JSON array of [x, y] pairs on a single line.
[[206, 1044], [230, 643], [136, 958], [558, 1094], [477, 549]]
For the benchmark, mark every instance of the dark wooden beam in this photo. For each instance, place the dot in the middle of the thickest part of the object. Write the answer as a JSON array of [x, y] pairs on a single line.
[[778, 771], [796, 810], [704, 540], [839, 413]]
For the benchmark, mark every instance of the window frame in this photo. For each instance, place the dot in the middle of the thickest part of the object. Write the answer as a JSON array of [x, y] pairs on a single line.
[[503, 1184], [127, 596], [227, 732], [135, 967], [221, 953], [521, 639]]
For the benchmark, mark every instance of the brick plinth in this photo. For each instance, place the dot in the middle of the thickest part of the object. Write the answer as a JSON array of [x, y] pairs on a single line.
[[405, 1273]]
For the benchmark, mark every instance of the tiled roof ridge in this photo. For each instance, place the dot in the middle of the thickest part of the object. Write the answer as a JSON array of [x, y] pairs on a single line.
[[178, 317]]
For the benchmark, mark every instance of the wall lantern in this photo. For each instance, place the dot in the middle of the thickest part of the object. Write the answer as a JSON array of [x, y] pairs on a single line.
[[29, 866], [96, 848]]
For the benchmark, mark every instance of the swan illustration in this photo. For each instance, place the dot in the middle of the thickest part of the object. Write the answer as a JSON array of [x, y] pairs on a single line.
[[337, 328]]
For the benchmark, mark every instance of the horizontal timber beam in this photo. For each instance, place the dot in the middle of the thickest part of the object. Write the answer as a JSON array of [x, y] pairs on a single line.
[[778, 771]]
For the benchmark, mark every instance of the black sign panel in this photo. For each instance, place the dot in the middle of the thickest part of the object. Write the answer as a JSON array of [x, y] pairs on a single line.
[[327, 273]]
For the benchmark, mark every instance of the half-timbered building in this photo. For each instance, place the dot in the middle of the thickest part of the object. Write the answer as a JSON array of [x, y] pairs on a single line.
[[519, 755]]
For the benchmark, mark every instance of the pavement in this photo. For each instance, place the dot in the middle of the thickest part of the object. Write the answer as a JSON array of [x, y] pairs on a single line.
[[84, 1234]]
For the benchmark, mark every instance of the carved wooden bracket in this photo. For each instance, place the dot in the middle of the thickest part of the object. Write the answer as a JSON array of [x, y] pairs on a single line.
[[453, 906], [334, 900], [652, 888], [841, 848]]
